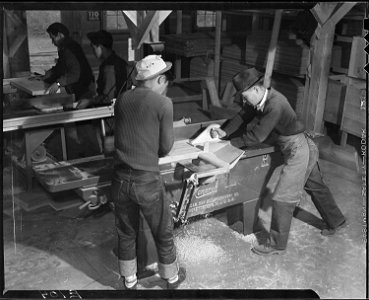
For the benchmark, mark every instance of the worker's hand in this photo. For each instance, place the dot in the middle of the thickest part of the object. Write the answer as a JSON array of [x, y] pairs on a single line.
[[53, 89], [217, 133], [84, 103]]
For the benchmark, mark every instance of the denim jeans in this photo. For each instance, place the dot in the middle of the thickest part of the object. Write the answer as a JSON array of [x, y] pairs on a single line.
[[291, 181], [319, 191], [134, 191]]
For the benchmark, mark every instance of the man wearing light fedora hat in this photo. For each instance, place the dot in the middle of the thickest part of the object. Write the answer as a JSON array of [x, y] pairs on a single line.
[[277, 122], [143, 133]]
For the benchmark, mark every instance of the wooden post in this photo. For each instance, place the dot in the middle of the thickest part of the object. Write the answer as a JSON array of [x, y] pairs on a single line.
[[272, 48], [218, 38], [327, 17], [321, 61], [6, 61], [178, 61], [15, 34], [255, 22]]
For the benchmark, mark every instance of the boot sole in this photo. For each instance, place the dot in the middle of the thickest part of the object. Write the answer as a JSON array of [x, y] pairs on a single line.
[[274, 252], [335, 230]]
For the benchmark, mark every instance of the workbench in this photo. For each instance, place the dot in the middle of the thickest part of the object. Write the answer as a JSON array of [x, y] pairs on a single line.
[[38, 126], [32, 85], [238, 190]]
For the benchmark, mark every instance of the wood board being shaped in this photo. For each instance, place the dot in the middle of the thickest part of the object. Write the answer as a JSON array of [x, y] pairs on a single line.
[[181, 150], [31, 85]]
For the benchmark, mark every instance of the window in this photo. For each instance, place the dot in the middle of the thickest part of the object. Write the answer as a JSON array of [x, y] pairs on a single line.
[[205, 18], [114, 20], [41, 50]]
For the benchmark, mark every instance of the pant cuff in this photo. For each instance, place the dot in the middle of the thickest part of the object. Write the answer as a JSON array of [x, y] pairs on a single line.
[[168, 270], [128, 267]]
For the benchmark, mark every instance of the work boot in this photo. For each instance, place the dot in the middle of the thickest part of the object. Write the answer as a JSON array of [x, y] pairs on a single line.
[[282, 214], [181, 278], [130, 284], [331, 231]]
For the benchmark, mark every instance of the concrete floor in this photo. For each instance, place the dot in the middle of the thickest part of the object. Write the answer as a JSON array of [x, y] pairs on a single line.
[[45, 249]]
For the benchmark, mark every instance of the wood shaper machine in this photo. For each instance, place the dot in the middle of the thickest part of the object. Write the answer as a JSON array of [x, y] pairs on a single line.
[[200, 176]]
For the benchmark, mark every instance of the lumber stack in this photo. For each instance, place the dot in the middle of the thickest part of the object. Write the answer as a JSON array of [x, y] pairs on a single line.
[[290, 58], [192, 44]]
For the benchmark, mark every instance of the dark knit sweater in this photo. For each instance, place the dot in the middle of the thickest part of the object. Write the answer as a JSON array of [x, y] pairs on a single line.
[[112, 75], [72, 70], [277, 117], [143, 128]]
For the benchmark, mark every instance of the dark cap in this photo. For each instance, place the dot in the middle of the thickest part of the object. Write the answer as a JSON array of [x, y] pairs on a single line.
[[246, 79], [101, 37]]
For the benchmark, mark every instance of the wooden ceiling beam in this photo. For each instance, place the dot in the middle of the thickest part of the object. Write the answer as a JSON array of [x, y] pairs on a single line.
[[340, 13], [145, 28], [322, 11], [131, 15]]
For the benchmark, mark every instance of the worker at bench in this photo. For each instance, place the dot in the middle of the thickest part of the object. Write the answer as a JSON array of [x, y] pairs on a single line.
[[275, 116], [73, 72]]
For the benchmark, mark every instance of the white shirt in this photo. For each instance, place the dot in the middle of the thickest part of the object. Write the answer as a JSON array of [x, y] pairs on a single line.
[[260, 106]]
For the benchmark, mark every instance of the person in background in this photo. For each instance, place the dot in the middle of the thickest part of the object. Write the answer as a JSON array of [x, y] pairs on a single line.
[[277, 121], [144, 133], [112, 70], [73, 72]]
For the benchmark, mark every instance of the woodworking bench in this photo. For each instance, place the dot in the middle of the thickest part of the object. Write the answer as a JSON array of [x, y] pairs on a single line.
[[215, 187]]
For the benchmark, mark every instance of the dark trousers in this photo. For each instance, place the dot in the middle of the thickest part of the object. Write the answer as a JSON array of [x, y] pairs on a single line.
[[319, 191], [321, 196], [134, 191]]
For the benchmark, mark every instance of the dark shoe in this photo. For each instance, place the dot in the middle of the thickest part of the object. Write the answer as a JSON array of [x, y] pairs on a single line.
[[267, 249], [130, 287], [145, 273], [282, 214], [332, 231], [181, 278]]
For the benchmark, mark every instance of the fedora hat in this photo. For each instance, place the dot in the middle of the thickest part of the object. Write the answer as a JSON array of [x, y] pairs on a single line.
[[151, 66], [246, 79]]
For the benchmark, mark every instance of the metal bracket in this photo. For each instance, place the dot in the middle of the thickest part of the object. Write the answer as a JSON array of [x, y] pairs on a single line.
[[190, 184]]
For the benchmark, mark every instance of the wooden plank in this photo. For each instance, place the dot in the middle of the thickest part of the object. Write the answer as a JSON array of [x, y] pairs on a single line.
[[163, 14], [334, 103], [218, 36], [57, 118], [131, 15], [340, 13], [272, 48], [145, 28], [213, 92], [132, 26], [16, 44], [228, 94], [322, 11], [357, 58], [319, 80], [354, 112], [181, 150], [30, 85]]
